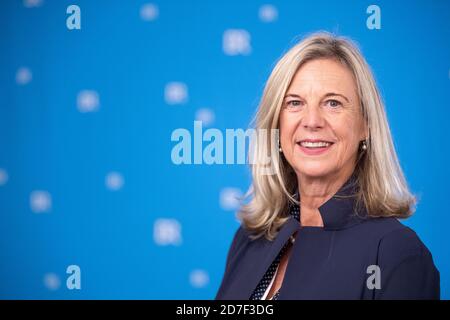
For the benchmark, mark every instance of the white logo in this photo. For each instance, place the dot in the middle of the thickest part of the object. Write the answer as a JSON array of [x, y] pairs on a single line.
[[23, 76], [3, 177], [176, 93], [236, 42], [40, 201], [51, 281], [268, 13], [114, 181], [205, 115], [229, 198], [149, 12], [32, 3], [167, 232], [88, 101], [199, 278]]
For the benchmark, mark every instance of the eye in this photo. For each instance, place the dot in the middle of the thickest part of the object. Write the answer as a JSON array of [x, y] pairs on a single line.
[[333, 103], [294, 103]]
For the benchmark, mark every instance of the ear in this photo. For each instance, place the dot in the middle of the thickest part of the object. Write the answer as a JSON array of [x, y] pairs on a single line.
[[365, 131]]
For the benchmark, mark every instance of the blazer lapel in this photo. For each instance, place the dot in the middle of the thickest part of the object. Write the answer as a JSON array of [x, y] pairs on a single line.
[[257, 259]]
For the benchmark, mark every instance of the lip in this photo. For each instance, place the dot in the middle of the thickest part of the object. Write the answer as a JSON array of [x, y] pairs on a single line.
[[314, 151]]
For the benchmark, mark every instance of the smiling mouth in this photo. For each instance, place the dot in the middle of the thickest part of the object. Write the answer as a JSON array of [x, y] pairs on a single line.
[[314, 144]]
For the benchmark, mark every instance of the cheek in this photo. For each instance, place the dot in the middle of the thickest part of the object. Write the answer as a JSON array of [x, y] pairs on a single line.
[[287, 130], [348, 136]]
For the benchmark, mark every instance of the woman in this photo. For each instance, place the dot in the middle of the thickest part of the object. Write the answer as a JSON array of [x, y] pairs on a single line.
[[324, 225]]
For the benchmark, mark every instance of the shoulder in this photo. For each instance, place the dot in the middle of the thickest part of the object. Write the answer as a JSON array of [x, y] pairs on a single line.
[[238, 242], [240, 236], [402, 241], [235, 251], [406, 264], [397, 241]]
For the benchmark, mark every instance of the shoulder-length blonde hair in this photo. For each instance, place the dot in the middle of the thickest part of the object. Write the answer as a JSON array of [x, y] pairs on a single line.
[[381, 183]]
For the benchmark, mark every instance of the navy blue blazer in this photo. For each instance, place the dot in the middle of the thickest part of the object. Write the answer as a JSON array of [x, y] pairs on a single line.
[[336, 261]]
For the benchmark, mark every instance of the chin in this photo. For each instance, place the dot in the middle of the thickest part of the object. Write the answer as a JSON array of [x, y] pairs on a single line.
[[313, 170]]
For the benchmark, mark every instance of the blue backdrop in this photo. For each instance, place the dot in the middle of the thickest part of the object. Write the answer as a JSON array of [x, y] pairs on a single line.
[[86, 117]]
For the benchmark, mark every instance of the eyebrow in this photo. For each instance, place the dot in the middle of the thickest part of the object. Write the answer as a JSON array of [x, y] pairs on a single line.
[[329, 94]]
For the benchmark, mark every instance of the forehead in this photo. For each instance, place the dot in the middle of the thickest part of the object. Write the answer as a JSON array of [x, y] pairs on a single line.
[[323, 75]]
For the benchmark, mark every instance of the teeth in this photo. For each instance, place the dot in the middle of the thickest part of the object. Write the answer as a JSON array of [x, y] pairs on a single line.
[[319, 144]]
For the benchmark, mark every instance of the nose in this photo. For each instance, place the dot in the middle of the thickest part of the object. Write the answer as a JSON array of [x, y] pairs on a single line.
[[312, 118]]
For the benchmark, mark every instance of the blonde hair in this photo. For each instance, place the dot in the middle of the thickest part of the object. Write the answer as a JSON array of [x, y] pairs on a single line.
[[382, 186]]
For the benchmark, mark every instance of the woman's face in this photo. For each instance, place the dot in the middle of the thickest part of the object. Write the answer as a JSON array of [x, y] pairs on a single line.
[[321, 124]]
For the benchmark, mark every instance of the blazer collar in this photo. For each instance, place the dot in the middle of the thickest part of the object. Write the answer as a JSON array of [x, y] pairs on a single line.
[[337, 213], [341, 210]]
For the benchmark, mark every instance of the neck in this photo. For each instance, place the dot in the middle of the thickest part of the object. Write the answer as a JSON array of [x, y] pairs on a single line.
[[315, 191]]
